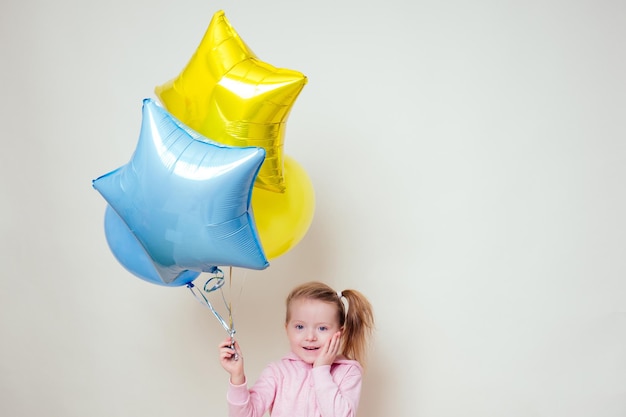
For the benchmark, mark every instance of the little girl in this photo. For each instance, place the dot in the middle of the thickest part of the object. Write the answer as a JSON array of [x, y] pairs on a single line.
[[321, 376]]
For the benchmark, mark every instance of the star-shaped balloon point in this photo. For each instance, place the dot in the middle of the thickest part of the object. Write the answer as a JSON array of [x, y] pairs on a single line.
[[185, 200], [228, 94]]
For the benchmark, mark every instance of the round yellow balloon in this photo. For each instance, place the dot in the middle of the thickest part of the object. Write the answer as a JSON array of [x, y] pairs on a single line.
[[282, 219]]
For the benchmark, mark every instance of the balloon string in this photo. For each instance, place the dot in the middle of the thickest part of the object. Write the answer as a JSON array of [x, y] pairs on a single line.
[[198, 295], [235, 300], [230, 313], [229, 305]]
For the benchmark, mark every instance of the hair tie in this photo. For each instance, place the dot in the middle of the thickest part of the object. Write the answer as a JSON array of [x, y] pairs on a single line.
[[339, 294]]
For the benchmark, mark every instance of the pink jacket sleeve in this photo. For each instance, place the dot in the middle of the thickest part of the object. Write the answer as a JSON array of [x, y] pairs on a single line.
[[337, 394], [254, 402]]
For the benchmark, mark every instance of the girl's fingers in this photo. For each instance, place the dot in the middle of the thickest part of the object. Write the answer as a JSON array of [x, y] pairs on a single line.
[[335, 342], [228, 344], [332, 345], [328, 346]]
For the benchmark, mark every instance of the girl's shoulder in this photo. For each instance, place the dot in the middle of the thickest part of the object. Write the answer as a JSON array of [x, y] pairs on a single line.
[[340, 359], [345, 364], [341, 364]]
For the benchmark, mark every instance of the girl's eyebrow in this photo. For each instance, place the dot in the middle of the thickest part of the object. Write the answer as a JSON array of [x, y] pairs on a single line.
[[295, 319]]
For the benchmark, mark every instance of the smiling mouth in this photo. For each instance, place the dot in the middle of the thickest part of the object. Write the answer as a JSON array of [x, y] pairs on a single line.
[[310, 348]]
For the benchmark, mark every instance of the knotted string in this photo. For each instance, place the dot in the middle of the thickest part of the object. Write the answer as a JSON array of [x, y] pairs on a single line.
[[215, 283]]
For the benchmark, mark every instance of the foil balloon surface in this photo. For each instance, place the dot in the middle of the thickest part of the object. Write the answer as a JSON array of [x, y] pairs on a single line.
[[185, 200], [131, 254], [283, 219], [228, 94]]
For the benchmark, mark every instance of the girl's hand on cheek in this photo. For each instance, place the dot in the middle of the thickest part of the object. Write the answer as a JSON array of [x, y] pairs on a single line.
[[329, 351]]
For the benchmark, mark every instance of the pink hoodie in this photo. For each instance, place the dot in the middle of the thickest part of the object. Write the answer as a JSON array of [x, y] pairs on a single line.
[[293, 388]]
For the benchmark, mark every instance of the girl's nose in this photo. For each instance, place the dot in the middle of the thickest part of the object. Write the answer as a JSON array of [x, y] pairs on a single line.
[[311, 336]]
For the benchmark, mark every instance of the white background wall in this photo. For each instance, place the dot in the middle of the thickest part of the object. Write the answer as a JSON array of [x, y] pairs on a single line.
[[468, 159]]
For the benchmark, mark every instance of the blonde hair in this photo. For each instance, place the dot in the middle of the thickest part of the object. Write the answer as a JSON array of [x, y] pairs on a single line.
[[356, 317]]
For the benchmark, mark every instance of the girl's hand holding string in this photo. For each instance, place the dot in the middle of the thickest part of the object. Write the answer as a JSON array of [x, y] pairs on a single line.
[[232, 361]]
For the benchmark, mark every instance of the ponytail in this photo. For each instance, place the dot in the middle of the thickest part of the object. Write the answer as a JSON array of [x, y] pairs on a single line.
[[358, 327]]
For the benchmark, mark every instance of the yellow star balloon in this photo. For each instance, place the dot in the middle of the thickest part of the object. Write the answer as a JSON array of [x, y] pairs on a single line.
[[229, 95]]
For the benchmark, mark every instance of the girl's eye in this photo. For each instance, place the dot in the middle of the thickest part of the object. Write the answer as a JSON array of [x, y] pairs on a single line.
[[323, 328], [299, 326]]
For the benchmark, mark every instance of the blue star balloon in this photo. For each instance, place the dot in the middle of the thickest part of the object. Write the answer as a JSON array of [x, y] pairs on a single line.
[[181, 205]]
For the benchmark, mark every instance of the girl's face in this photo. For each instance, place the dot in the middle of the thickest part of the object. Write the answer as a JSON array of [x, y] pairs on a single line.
[[311, 324]]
